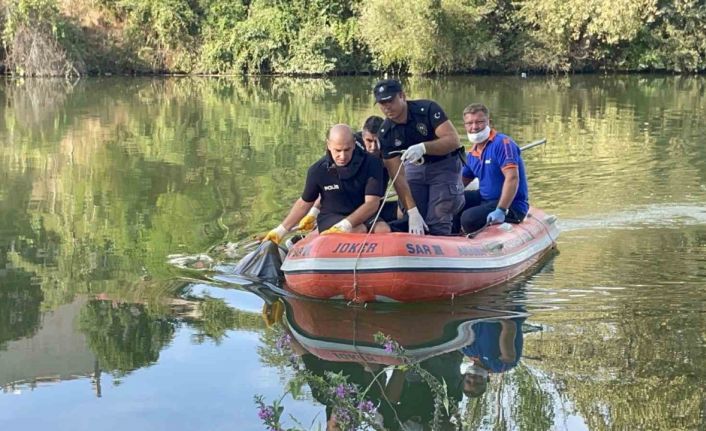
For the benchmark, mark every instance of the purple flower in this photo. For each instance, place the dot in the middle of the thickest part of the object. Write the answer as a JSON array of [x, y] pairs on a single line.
[[266, 413], [366, 406], [389, 346], [284, 341], [342, 415], [341, 391]]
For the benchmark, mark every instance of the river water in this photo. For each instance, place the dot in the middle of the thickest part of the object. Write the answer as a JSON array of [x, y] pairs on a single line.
[[102, 179]]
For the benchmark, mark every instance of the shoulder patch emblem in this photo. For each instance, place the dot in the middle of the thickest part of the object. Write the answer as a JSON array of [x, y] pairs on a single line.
[[422, 129], [381, 89], [398, 142], [437, 115]]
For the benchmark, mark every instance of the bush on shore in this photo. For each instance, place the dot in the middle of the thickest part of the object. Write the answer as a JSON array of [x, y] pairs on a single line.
[[320, 37], [39, 41]]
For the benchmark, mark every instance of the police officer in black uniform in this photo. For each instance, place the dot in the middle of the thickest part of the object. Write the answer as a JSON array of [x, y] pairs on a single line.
[[350, 183], [419, 134], [367, 138]]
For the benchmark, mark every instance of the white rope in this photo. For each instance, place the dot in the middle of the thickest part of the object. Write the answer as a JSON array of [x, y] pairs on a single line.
[[372, 227]]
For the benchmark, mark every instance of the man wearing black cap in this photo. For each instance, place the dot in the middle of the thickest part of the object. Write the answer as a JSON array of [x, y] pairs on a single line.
[[418, 133]]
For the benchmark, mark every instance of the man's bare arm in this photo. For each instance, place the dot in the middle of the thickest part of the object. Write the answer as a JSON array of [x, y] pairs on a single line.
[[510, 186], [447, 140], [365, 211], [298, 211]]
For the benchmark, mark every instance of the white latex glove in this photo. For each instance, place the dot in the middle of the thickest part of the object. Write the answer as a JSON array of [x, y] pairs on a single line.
[[414, 153], [343, 226], [416, 222]]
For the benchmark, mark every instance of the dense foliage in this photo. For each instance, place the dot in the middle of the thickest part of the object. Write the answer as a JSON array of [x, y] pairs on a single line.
[[315, 37]]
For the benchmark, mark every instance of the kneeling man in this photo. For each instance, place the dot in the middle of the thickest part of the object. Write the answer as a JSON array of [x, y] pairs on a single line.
[[350, 184]]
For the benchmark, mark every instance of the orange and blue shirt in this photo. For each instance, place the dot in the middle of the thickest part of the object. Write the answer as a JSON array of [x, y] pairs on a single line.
[[486, 345], [487, 163]]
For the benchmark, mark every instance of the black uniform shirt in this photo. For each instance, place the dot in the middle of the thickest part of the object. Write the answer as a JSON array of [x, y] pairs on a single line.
[[423, 117], [361, 144], [343, 188]]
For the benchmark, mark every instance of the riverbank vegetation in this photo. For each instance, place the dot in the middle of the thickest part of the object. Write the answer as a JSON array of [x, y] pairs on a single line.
[[323, 37]]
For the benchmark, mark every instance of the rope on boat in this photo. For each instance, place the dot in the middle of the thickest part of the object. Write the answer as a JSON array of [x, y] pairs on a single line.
[[473, 234], [365, 240], [543, 225]]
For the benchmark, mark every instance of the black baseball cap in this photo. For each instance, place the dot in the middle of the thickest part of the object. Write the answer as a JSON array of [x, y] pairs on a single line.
[[386, 89]]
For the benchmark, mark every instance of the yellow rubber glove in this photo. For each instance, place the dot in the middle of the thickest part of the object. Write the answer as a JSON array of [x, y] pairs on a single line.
[[272, 313], [309, 221], [332, 229], [276, 234], [343, 226]]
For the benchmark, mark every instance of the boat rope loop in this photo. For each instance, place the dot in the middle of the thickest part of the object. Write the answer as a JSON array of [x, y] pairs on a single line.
[[474, 233], [372, 227], [542, 223]]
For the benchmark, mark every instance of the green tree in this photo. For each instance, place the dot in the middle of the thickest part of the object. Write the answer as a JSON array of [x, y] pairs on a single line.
[[429, 36], [672, 40], [575, 35], [161, 33]]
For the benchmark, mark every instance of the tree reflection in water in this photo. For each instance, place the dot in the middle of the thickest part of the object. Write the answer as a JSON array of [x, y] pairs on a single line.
[[20, 302], [124, 336]]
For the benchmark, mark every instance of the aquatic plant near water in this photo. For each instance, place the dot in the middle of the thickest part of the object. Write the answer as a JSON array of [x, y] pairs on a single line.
[[266, 413], [343, 390], [366, 406], [351, 409], [284, 342], [270, 415], [390, 345]]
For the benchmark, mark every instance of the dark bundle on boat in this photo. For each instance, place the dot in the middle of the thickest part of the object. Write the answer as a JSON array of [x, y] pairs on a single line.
[[264, 262]]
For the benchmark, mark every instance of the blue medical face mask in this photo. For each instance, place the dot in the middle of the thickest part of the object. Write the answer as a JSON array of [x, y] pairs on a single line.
[[477, 138]]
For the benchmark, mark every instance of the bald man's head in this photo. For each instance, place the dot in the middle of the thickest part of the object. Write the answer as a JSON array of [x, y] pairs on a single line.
[[341, 143]]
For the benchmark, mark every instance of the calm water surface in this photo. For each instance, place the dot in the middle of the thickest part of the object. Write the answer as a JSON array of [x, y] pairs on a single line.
[[101, 180]]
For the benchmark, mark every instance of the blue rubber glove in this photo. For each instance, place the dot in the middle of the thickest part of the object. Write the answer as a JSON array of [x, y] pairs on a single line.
[[496, 217]]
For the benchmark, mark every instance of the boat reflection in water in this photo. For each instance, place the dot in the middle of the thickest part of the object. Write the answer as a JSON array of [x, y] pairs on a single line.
[[415, 359]]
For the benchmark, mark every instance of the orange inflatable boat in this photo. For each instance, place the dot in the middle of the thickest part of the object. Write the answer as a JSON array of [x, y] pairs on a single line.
[[403, 267]]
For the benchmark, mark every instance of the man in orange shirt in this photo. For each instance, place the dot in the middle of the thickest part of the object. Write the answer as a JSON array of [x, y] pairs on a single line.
[[496, 161]]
